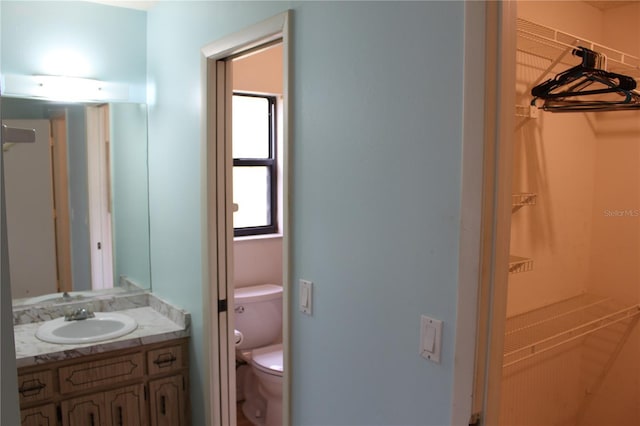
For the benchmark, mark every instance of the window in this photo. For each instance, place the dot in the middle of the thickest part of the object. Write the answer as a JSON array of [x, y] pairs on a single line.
[[254, 164]]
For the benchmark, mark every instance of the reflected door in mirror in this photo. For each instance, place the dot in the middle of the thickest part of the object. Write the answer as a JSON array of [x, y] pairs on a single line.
[[30, 212]]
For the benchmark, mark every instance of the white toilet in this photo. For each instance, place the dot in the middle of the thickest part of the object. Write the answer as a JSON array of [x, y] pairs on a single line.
[[258, 319]]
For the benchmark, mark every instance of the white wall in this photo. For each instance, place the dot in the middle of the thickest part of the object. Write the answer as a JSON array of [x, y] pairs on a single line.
[[257, 261], [377, 119], [30, 221], [615, 254], [554, 156], [259, 72]]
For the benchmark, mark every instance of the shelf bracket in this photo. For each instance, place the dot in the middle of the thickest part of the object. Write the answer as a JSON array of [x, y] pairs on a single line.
[[593, 390]]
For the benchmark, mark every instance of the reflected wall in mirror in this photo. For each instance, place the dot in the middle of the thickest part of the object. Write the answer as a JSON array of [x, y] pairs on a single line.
[[77, 199]]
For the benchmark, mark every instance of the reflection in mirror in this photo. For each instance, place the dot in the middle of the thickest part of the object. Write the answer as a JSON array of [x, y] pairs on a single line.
[[77, 199]]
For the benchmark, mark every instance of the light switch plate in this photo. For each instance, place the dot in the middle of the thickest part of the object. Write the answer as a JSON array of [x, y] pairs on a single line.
[[430, 338], [306, 296]]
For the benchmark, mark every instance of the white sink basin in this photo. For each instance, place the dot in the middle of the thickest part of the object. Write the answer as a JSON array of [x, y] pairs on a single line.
[[104, 326]]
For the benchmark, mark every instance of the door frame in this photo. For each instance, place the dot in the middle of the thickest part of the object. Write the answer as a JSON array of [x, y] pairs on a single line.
[[9, 402], [61, 200], [99, 184], [500, 45], [217, 216]]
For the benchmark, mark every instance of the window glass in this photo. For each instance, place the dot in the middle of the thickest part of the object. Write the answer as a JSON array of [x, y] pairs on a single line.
[[250, 127], [251, 194]]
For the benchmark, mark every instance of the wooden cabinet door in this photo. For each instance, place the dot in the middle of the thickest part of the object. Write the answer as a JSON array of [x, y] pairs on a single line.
[[126, 406], [44, 415], [84, 411], [166, 401]]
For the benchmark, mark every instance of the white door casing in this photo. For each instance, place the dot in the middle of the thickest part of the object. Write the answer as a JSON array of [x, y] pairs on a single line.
[[496, 209], [98, 175]]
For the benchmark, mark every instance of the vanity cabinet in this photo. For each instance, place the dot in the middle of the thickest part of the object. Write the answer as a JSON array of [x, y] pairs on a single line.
[[146, 385]]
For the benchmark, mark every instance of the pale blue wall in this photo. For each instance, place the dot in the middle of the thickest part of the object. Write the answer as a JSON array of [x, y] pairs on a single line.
[[377, 165], [130, 192], [177, 30], [377, 119]]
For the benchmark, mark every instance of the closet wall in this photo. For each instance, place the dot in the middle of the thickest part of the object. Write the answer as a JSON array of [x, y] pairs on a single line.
[[582, 234], [259, 260], [615, 248]]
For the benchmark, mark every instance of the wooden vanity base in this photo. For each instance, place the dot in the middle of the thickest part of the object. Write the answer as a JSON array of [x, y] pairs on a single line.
[[142, 386]]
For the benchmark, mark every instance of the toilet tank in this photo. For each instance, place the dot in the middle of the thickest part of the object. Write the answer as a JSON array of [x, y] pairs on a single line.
[[258, 315]]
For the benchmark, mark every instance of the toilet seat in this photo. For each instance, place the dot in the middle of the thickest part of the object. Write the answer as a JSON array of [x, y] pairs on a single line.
[[268, 359]]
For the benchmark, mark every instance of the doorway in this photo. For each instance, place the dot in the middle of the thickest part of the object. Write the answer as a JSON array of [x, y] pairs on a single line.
[[257, 194], [562, 305], [218, 59]]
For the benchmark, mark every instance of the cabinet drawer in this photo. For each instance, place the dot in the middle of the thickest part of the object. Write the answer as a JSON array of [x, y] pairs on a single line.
[[34, 387], [165, 360], [98, 373]]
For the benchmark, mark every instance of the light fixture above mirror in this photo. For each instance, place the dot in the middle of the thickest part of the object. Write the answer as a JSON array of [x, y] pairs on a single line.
[[64, 89]]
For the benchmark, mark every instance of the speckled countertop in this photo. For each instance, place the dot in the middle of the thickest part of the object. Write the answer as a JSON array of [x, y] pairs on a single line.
[[157, 321]]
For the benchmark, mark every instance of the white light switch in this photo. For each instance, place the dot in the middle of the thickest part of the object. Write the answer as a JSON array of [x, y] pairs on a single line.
[[430, 338], [306, 299]]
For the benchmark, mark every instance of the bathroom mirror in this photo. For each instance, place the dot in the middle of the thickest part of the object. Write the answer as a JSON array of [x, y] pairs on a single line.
[[77, 203]]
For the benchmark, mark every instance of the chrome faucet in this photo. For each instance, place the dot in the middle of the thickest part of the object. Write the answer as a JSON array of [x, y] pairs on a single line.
[[79, 314]]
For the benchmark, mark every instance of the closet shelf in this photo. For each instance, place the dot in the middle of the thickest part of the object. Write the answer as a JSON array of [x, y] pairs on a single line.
[[519, 264], [524, 199], [536, 332], [553, 45]]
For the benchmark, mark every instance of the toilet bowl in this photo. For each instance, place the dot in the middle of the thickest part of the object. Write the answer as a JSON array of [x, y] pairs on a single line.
[[266, 364], [258, 321]]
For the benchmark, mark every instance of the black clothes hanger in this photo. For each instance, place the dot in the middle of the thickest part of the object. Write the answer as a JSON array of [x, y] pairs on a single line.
[[587, 87]]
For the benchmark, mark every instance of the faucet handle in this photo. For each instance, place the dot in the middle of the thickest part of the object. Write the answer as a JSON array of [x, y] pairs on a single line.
[[79, 314]]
